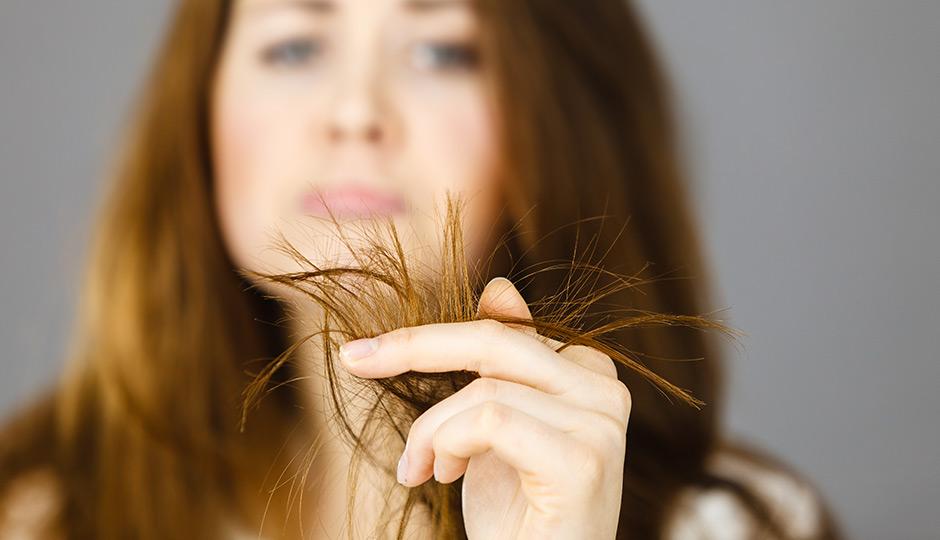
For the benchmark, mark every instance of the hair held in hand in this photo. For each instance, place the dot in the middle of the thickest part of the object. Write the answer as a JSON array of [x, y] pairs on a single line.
[[386, 289]]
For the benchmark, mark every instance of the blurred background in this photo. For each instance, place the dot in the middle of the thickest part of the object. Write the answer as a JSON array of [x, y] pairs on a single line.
[[812, 132]]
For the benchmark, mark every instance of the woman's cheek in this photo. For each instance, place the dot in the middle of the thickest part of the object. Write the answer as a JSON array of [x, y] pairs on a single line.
[[243, 198], [461, 143], [459, 151]]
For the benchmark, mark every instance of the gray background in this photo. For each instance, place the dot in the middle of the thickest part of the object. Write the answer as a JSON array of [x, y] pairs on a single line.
[[813, 131]]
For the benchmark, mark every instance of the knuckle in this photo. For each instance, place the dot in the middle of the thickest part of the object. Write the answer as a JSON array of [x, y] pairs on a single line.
[[491, 327], [589, 468], [611, 368], [594, 359], [416, 427], [438, 441], [577, 349], [414, 433], [606, 363], [484, 389], [623, 400], [492, 415], [612, 434], [402, 336], [603, 360]]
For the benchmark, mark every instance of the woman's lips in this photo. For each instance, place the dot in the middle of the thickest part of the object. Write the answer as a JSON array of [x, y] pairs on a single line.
[[352, 202]]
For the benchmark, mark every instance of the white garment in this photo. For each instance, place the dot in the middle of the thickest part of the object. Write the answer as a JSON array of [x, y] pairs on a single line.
[[716, 514], [701, 514]]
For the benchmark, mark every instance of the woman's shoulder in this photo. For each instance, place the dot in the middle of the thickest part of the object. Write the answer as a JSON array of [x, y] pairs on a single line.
[[702, 514], [29, 506], [30, 492]]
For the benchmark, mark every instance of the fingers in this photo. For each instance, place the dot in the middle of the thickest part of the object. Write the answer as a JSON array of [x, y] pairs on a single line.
[[551, 410], [582, 374], [500, 297], [485, 346], [603, 420], [584, 356], [530, 446], [548, 415]]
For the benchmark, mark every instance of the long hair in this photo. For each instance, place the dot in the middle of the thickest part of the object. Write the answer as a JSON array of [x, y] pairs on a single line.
[[143, 432]]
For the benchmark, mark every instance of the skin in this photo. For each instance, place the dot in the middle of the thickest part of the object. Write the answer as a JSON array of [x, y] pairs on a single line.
[[311, 94], [540, 437]]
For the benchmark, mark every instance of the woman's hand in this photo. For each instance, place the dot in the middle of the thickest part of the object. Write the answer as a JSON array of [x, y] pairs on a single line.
[[540, 437]]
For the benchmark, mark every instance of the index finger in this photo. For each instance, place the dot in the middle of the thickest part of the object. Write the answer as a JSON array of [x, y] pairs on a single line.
[[586, 356], [485, 346]]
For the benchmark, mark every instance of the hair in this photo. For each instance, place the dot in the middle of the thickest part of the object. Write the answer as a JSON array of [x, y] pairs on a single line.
[[144, 434]]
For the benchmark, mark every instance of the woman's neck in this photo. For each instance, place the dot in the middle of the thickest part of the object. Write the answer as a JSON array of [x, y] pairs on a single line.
[[311, 477]]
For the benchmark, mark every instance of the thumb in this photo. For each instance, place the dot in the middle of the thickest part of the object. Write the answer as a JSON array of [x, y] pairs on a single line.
[[500, 297]]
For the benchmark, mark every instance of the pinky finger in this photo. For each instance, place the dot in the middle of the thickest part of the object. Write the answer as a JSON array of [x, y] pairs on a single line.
[[535, 449]]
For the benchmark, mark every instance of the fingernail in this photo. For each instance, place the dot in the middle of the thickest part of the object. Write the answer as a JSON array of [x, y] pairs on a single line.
[[403, 469], [360, 348], [437, 472]]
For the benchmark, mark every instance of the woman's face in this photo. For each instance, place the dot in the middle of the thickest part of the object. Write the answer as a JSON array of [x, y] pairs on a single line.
[[374, 108]]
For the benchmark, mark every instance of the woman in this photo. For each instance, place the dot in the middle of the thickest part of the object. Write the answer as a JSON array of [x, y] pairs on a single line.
[[264, 115]]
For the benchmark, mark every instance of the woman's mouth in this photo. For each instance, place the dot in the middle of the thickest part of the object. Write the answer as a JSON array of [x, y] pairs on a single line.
[[352, 202]]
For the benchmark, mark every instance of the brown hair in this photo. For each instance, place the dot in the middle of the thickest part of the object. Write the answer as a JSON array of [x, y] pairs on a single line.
[[142, 433]]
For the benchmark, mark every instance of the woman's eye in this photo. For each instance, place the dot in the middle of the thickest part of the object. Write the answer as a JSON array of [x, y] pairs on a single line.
[[293, 52], [446, 56]]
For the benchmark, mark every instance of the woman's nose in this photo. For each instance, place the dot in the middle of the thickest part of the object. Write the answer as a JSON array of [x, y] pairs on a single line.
[[358, 112]]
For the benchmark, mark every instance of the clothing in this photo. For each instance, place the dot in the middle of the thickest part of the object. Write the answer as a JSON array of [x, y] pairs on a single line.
[[717, 514], [700, 514]]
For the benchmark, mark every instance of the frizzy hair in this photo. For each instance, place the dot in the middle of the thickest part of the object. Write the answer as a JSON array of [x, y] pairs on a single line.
[[384, 290]]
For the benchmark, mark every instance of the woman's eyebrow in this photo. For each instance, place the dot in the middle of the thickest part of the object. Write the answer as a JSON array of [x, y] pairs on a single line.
[[320, 7], [326, 7], [425, 6]]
